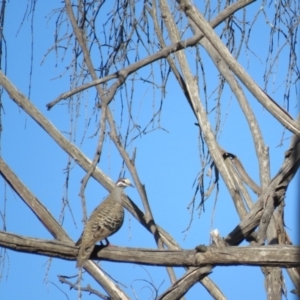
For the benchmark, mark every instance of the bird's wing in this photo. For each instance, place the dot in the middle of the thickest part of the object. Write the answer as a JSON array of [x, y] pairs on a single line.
[[106, 221]]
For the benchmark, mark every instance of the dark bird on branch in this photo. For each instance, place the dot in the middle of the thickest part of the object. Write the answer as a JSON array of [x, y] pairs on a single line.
[[105, 220]]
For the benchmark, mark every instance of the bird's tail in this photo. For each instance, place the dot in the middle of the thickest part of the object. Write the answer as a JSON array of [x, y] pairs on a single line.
[[83, 255]]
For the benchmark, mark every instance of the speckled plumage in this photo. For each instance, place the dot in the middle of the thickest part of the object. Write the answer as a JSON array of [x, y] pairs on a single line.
[[105, 220]]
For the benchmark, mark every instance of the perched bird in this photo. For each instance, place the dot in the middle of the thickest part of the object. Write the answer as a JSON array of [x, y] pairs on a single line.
[[106, 219]]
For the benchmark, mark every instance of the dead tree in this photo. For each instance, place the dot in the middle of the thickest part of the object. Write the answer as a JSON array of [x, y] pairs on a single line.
[[113, 54]]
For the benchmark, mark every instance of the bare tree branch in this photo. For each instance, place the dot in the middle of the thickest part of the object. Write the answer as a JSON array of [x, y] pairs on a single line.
[[281, 256], [260, 147], [179, 288], [96, 47], [33, 203], [276, 188], [122, 75], [279, 113]]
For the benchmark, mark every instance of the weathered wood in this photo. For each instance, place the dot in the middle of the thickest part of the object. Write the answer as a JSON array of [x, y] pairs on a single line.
[[33, 203], [284, 256], [280, 114], [181, 286], [277, 185], [281, 256]]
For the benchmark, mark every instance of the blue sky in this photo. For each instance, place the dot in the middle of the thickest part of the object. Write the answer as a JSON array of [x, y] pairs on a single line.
[[167, 163]]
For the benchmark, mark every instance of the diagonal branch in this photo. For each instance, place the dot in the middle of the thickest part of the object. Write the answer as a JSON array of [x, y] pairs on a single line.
[[279, 113], [277, 187], [33, 203], [181, 286], [200, 111], [260, 147]]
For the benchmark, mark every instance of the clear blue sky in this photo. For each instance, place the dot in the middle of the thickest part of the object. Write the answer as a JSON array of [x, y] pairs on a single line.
[[167, 163]]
